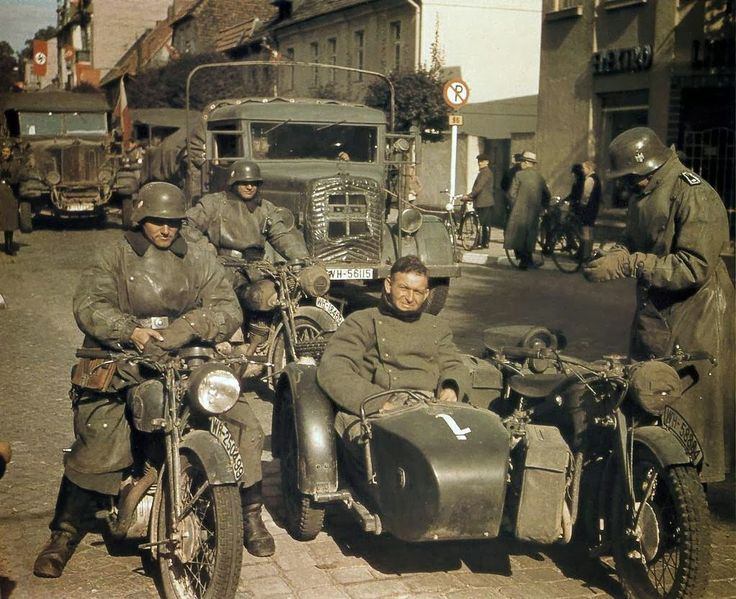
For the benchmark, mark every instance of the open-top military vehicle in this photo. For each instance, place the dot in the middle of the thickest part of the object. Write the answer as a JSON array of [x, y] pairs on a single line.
[[335, 165], [545, 446], [71, 164]]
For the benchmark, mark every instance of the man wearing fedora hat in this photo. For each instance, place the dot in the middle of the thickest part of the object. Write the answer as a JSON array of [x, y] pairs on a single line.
[[527, 194]]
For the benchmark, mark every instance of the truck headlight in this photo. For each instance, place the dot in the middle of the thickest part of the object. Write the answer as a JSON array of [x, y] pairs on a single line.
[[53, 177], [411, 221], [213, 389]]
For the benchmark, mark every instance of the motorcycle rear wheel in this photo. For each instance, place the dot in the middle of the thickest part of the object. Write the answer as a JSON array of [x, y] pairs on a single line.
[[304, 518], [206, 563], [673, 558]]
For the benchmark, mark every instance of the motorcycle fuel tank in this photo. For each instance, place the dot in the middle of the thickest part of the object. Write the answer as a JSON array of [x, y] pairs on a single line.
[[440, 472]]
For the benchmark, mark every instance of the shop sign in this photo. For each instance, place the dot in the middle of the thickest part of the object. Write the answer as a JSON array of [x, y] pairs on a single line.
[[622, 60]]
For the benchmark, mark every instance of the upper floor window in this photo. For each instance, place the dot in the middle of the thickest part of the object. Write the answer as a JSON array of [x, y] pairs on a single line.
[[359, 47], [395, 41], [314, 55], [290, 71], [559, 9], [332, 56]]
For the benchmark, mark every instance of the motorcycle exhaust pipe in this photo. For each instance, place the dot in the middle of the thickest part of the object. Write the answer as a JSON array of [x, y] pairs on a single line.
[[130, 497]]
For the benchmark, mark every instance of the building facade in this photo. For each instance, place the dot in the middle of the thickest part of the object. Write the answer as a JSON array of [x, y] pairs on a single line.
[[608, 65], [92, 36]]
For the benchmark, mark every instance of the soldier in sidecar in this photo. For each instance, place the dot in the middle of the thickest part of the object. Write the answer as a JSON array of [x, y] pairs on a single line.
[[413, 460]]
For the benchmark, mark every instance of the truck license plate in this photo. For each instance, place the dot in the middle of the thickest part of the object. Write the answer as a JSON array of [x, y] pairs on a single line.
[[345, 274], [79, 207]]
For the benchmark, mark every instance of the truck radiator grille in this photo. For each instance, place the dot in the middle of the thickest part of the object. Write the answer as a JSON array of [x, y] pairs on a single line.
[[345, 219], [79, 164]]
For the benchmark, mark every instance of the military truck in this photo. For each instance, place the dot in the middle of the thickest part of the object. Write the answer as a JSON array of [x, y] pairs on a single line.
[[72, 164], [335, 165]]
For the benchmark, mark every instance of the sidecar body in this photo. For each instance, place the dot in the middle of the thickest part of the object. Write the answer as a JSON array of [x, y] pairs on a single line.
[[430, 471]]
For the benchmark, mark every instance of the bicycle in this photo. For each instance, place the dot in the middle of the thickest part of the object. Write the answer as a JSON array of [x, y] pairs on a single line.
[[465, 226], [561, 236]]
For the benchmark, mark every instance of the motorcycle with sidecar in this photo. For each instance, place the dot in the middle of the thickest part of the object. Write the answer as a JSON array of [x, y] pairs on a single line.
[[546, 446]]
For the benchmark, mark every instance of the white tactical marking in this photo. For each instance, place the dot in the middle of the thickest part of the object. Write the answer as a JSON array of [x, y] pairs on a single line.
[[460, 433]]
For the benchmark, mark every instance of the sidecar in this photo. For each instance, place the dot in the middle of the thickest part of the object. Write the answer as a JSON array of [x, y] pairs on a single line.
[[430, 471]]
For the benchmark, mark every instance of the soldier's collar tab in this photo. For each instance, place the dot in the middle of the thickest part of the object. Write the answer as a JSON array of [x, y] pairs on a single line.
[[140, 244]]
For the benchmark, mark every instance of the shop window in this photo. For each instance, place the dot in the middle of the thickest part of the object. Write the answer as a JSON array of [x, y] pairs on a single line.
[[562, 9]]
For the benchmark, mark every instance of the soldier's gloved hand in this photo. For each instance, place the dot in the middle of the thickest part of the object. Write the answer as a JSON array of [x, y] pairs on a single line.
[[177, 334], [142, 335], [615, 264], [397, 400], [154, 350]]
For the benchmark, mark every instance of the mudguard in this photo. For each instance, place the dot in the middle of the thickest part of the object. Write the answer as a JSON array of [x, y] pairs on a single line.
[[663, 445], [314, 419], [212, 456], [431, 243]]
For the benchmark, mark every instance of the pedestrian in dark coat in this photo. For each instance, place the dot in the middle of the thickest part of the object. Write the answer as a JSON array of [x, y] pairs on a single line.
[[528, 194], [676, 229], [482, 195], [393, 346], [586, 203], [8, 201]]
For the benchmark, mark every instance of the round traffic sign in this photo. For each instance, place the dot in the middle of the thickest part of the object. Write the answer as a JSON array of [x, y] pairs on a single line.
[[456, 93], [39, 58]]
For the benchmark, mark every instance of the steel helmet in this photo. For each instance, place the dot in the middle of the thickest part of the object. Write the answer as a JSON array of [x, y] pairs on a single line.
[[159, 200], [244, 171], [637, 151]]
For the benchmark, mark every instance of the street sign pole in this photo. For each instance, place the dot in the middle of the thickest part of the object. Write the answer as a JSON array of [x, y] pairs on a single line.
[[456, 93]]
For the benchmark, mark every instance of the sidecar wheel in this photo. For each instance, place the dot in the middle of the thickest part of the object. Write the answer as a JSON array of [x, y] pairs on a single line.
[[673, 559], [207, 561], [304, 518]]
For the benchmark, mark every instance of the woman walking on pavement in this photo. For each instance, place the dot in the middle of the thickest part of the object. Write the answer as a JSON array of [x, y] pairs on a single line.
[[8, 202]]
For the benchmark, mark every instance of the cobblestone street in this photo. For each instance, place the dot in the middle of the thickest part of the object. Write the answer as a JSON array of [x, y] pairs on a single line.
[[39, 337]]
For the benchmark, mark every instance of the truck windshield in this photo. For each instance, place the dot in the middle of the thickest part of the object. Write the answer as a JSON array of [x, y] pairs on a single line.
[[278, 140], [62, 123]]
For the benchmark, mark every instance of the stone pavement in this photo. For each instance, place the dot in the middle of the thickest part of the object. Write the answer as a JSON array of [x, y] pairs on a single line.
[[38, 339]]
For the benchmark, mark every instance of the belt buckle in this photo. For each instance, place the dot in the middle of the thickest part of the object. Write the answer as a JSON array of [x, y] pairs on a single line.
[[159, 322]]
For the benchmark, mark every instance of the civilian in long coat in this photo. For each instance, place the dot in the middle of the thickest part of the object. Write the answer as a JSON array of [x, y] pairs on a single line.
[[527, 195], [482, 195], [8, 201], [677, 228]]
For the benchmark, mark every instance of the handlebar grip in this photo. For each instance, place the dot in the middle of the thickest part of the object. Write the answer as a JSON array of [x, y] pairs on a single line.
[[94, 354]]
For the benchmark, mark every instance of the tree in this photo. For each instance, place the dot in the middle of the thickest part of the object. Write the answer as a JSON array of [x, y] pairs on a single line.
[[8, 67], [166, 86], [418, 101]]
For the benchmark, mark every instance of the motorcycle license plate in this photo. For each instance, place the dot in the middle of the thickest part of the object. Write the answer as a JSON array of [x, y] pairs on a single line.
[[330, 308], [79, 207], [347, 274], [219, 430], [673, 421]]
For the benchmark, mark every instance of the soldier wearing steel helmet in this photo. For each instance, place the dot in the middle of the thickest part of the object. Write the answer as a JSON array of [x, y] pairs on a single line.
[[153, 292], [676, 230]]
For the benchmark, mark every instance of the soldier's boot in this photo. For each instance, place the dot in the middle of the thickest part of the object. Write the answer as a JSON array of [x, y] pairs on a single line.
[[66, 530], [256, 538], [9, 243]]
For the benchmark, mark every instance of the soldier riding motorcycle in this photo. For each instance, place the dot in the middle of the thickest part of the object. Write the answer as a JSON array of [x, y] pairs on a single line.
[[238, 222]]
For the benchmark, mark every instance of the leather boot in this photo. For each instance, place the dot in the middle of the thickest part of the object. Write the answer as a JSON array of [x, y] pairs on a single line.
[[66, 530], [256, 538], [9, 243]]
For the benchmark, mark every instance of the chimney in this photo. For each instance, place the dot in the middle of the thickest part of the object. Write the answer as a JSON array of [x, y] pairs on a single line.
[[284, 7]]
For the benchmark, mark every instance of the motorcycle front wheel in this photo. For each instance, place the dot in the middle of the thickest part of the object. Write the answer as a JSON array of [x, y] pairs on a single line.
[[672, 556], [307, 331], [206, 562]]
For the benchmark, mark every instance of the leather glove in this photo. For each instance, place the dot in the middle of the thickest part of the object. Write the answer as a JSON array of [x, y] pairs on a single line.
[[178, 333], [154, 350], [616, 264]]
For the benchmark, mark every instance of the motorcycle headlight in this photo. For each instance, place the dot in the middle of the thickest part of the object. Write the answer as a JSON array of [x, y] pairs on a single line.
[[213, 389], [53, 177], [411, 221], [314, 281]]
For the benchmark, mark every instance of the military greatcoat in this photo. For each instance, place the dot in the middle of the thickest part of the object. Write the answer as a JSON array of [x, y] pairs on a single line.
[[373, 352], [527, 195], [8, 201], [230, 223], [685, 297], [134, 280]]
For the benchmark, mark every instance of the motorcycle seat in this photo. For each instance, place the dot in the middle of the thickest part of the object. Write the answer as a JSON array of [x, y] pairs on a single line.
[[537, 385]]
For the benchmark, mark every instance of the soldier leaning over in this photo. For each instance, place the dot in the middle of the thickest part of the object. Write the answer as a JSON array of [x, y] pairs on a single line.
[[676, 230], [152, 272], [393, 346]]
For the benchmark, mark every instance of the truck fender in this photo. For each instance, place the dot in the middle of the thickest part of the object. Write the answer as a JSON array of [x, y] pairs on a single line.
[[664, 446], [431, 242], [325, 321], [314, 421]]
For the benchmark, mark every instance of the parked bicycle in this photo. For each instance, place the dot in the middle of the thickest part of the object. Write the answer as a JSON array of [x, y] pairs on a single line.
[[462, 222], [561, 235]]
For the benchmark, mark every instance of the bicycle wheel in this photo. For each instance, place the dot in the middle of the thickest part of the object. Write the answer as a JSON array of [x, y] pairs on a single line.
[[567, 249], [470, 231]]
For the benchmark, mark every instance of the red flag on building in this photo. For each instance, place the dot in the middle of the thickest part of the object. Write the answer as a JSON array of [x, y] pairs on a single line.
[[40, 57], [122, 113]]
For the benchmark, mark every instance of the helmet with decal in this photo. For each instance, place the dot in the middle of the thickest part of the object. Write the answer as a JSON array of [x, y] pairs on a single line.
[[638, 151]]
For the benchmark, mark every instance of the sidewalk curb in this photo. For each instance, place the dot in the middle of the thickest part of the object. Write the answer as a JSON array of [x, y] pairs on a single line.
[[481, 259]]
